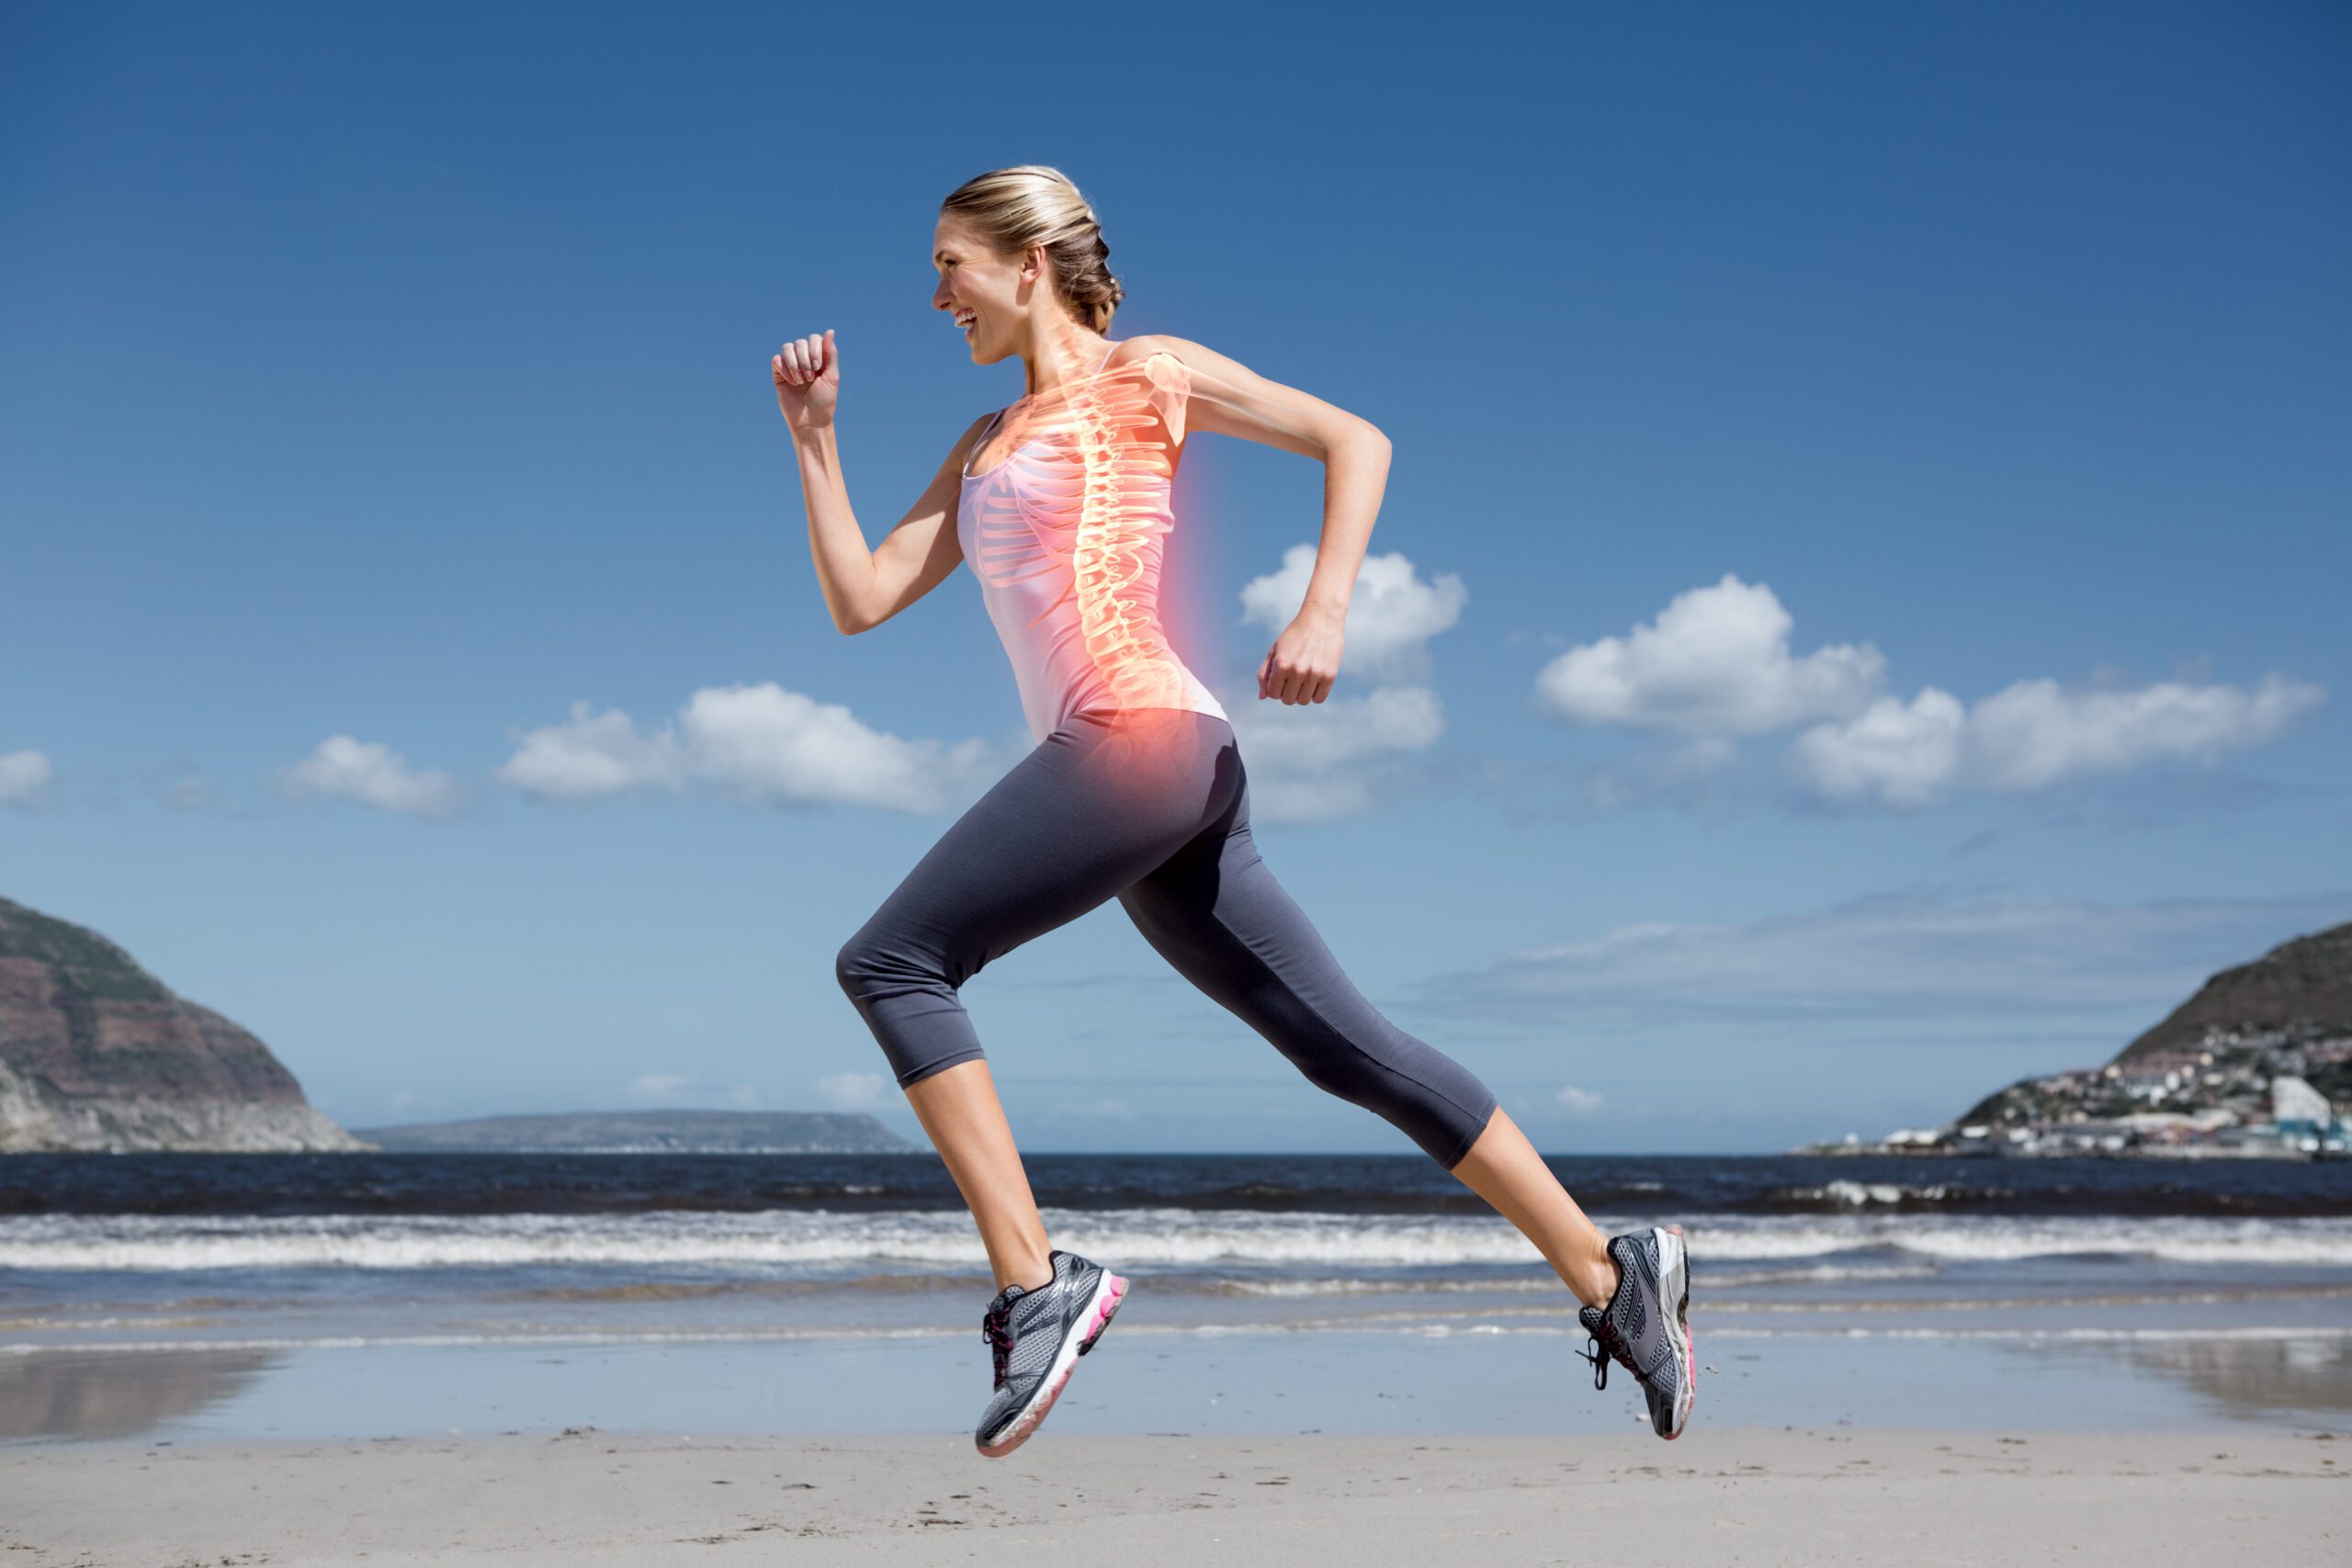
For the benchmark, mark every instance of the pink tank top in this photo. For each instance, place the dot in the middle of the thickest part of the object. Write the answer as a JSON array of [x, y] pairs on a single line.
[[1065, 534]]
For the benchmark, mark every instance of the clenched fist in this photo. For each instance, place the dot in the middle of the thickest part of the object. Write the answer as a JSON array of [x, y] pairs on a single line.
[[807, 381], [1304, 660]]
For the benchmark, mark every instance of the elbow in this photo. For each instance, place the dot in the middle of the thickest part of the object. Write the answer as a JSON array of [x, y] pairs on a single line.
[[849, 620], [1365, 434], [852, 606]]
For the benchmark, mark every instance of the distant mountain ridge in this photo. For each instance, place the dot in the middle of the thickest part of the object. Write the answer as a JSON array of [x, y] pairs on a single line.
[[649, 1132], [2303, 986], [97, 1054]]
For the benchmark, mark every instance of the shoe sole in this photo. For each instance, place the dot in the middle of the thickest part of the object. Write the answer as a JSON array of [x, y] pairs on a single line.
[[1678, 1276], [1109, 1291]]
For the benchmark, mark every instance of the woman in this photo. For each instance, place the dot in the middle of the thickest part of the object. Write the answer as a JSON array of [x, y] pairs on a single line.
[[1136, 789]]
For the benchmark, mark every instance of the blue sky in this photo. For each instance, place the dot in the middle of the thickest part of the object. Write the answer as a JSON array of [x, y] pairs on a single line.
[[1855, 616]]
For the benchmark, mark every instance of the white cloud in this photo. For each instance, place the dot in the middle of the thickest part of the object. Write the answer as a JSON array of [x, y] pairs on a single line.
[[1898, 958], [372, 775], [1577, 1102], [669, 1089], [22, 776], [1714, 663], [2034, 734], [661, 1086], [593, 754], [1307, 737], [1307, 761], [1311, 762], [757, 743], [764, 743], [1905, 754], [1392, 614], [855, 1091]]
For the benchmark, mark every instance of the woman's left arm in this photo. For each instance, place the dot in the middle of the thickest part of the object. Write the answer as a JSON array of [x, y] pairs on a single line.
[[1231, 400]]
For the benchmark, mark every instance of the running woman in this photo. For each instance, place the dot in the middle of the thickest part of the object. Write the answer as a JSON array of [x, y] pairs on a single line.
[[1136, 789]]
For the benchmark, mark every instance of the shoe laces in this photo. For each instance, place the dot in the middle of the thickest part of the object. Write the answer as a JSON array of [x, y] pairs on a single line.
[[996, 1327], [1606, 1342]]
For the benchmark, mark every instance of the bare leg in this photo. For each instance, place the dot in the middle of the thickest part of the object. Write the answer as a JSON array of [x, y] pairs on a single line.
[[958, 1108], [1503, 1167], [965, 1121]]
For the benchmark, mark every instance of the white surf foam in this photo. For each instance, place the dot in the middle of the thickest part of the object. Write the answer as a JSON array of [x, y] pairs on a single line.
[[819, 1241]]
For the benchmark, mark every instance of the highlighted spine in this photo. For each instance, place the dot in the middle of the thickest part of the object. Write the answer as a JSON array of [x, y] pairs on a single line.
[[1115, 557]]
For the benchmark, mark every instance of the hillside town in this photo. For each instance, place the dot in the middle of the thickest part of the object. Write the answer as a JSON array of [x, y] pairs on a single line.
[[2262, 1094]]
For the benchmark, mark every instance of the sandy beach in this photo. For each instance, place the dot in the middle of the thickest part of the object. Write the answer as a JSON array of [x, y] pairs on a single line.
[[355, 1362], [1748, 1497]]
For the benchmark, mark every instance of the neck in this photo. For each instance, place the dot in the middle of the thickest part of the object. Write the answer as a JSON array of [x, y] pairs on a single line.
[[1069, 356]]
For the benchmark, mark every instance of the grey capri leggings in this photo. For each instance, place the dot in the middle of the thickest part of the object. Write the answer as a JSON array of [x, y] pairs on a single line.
[[1150, 804]]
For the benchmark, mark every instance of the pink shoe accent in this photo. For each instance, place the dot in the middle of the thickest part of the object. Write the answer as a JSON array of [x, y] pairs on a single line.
[[1102, 1311], [1689, 1356]]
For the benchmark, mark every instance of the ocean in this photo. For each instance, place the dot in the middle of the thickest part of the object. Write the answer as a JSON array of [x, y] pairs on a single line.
[[324, 1293]]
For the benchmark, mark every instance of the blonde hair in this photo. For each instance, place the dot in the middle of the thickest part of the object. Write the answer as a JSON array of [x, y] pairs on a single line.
[[1033, 203]]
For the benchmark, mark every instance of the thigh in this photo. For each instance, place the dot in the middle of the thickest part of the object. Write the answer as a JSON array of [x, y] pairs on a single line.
[[1082, 817], [1215, 912]]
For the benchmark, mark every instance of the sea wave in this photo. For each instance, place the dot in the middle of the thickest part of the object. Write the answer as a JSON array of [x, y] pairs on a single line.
[[1423, 1328], [1863, 1194], [802, 1241]]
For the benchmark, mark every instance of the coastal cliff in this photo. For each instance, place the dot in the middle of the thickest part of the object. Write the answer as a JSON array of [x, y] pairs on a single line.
[[97, 1053]]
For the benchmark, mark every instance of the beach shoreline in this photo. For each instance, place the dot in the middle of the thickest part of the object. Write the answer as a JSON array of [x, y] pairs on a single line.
[[586, 1496], [1149, 1379]]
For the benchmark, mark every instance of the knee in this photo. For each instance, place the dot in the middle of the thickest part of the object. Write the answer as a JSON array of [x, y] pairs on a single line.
[[872, 961], [1337, 1066], [859, 963]]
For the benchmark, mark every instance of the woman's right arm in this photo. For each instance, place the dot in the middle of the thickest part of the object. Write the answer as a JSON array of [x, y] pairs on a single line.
[[863, 588]]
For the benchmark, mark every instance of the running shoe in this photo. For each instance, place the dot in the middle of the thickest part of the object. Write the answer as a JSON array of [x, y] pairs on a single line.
[[1036, 1336], [1646, 1324]]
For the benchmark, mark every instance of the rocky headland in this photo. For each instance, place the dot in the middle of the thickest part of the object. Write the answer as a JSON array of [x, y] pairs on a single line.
[[97, 1053], [2254, 1064]]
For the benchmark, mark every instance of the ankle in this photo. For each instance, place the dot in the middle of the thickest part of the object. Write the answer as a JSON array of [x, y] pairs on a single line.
[[1597, 1280], [1033, 1276]]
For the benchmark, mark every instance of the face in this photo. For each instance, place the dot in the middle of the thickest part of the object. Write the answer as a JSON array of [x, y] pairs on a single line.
[[977, 283]]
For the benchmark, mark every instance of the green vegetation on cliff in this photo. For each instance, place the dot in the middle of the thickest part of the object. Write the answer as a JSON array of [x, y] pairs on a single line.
[[82, 959], [2297, 987]]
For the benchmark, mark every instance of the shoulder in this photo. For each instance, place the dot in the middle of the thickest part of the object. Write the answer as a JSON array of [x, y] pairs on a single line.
[[1197, 358], [1195, 355], [961, 453]]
